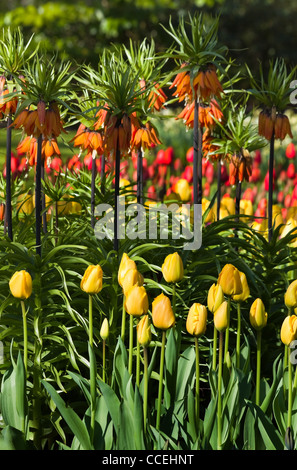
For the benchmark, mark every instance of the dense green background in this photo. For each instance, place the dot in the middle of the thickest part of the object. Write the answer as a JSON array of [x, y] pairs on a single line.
[[252, 29]]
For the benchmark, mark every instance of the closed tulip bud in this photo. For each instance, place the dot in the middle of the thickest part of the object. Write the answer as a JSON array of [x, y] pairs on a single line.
[[196, 320], [136, 303], [289, 329], [125, 264], [245, 289], [20, 285], [162, 312], [291, 295], [215, 297], [104, 330], [91, 282], [229, 279], [172, 268], [258, 316], [182, 188], [144, 334], [221, 317], [131, 278]]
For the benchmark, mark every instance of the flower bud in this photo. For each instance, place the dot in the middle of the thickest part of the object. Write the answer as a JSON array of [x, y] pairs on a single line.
[[196, 320], [136, 301], [221, 316], [104, 330], [125, 264], [162, 313], [182, 188], [229, 279], [258, 316], [289, 329], [131, 278], [91, 282], [172, 268], [245, 289], [291, 295], [215, 297], [144, 334], [20, 285]]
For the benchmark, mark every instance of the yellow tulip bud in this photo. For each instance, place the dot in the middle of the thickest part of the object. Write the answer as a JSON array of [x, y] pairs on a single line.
[[162, 312], [144, 334], [215, 297], [245, 289], [291, 295], [131, 278], [20, 285], [183, 189], [26, 204], [258, 316], [221, 316], [172, 268], [229, 279], [125, 264], [91, 282], [196, 320], [104, 330], [289, 329], [136, 301]]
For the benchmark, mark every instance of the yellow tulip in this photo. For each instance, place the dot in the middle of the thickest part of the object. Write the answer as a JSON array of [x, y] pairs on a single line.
[[144, 334], [20, 285], [125, 264], [289, 329], [196, 320], [245, 289], [221, 317], [104, 330], [291, 295], [258, 315], [211, 216], [290, 225], [132, 278], [136, 302], [183, 189], [215, 297], [162, 312], [26, 204], [246, 207], [172, 268], [92, 279], [227, 206], [229, 280]]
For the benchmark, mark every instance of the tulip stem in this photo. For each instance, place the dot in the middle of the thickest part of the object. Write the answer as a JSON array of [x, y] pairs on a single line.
[[145, 391], [162, 357], [103, 359], [8, 209], [131, 344], [258, 376], [197, 392], [137, 363], [214, 354], [227, 329], [290, 401], [174, 298], [91, 320], [218, 188], [25, 333], [238, 335], [92, 369], [219, 409], [123, 320]]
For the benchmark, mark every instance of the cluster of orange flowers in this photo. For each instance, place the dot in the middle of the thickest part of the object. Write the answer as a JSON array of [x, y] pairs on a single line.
[[208, 114], [6, 106], [240, 167], [270, 123]]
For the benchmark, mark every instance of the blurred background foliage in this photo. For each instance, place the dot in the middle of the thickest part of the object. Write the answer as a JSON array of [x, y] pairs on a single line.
[[253, 30]]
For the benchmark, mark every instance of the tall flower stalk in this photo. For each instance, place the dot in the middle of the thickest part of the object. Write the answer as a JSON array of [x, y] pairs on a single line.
[[272, 95]]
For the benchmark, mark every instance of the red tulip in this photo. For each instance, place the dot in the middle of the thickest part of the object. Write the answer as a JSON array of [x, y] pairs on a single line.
[[190, 155], [291, 171], [290, 150], [257, 158]]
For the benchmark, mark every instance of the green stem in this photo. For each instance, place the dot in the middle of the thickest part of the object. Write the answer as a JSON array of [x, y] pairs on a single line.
[[131, 345], [123, 320], [290, 401], [174, 298], [103, 360], [214, 357], [137, 363], [227, 330], [197, 393], [25, 334], [37, 364], [145, 391], [161, 379], [238, 335], [258, 376], [91, 320], [219, 409], [92, 370]]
